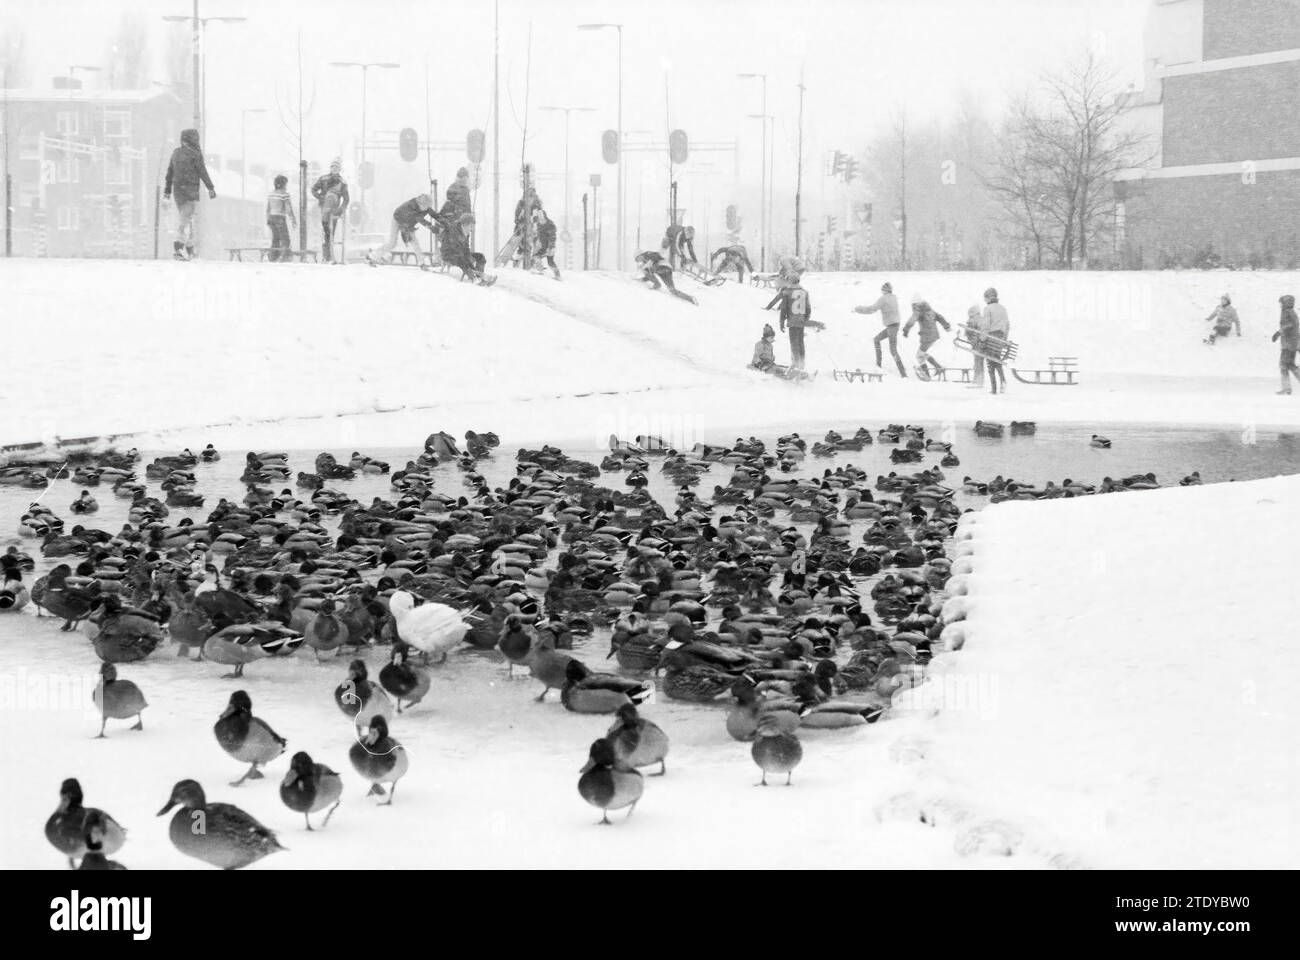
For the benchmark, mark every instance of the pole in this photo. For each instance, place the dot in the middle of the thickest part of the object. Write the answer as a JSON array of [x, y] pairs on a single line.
[[9, 183], [428, 151], [243, 158], [157, 217], [672, 187], [762, 196], [902, 189], [568, 224], [302, 204], [621, 261], [798, 179], [585, 243], [365, 73], [496, 126], [197, 24], [595, 220]]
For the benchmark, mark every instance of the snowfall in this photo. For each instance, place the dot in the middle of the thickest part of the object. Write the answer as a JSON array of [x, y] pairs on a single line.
[[1118, 687]]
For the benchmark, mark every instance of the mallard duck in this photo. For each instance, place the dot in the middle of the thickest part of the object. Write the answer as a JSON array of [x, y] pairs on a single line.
[[1023, 428], [66, 828], [209, 454], [433, 628], [84, 503], [696, 683], [988, 430], [70, 603], [588, 692], [323, 631], [360, 698], [13, 595], [124, 634], [950, 460], [247, 738], [96, 833], [1099, 442], [229, 837], [547, 665], [607, 783], [515, 642], [742, 718], [402, 679], [117, 699], [638, 742], [310, 787], [774, 750], [242, 643], [380, 759]]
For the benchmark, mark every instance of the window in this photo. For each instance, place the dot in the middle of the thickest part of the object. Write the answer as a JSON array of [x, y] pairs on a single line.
[[69, 169], [117, 172], [117, 124], [66, 123], [69, 218]]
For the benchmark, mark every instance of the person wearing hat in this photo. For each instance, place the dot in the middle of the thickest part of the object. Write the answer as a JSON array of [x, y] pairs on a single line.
[[185, 172], [764, 355], [418, 211], [995, 323], [887, 306], [927, 320], [656, 272], [331, 192], [679, 241], [1224, 317], [1288, 332], [458, 198], [789, 272], [546, 240]]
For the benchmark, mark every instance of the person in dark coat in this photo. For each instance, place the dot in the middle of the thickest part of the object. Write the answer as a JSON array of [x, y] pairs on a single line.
[[679, 241], [657, 273], [455, 247], [331, 192], [796, 314], [546, 241], [416, 212], [1288, 332], [734, 256], [927, 320], [457, 201], [185, 173]]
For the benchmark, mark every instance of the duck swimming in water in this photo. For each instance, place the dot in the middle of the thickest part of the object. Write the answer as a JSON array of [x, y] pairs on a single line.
[[1100, 442]]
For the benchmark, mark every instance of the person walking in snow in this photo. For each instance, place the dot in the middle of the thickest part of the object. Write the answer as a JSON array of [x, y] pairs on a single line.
[[1288, 332], [185, 173], [546, 241], [416, 212], [1224, 317], [928, 321], [735, 257], [331, 192], [279, 214], [997, 324], [887, 306]]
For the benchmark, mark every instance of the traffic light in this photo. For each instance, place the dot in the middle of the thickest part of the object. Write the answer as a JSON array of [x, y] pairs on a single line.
[[408, 144], [850, 169], [837, 166], [609, 146], [474, 146], [677, 146], [733, 219], [831, 224]]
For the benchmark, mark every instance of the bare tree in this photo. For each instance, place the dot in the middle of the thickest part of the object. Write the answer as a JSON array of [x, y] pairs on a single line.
[[292, 113], [13, 56], [128, 54]]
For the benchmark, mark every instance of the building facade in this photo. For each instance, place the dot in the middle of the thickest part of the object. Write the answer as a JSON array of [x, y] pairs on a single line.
[[1220, 100]]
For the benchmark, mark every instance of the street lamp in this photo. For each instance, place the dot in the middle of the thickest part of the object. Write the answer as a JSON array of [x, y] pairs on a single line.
[[243, 149], [763, 186], [567, 111], [619, 205], [365, 71], [200, 25]]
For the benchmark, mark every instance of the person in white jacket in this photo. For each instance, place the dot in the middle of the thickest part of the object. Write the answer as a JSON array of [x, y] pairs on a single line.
[[887, 307], [996, 323]]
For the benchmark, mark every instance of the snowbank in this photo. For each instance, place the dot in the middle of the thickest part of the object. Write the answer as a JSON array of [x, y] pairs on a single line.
[[1125, 696]]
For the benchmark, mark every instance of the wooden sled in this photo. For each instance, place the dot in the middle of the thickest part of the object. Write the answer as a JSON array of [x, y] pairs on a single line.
[[860, 375], [697, 272], [763, 279], [984, 345], [1060, 372]]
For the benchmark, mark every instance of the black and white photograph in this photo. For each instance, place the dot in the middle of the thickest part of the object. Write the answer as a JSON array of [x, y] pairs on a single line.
[[599, 435]]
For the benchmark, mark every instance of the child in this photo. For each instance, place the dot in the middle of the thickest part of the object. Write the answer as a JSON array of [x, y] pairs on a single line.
[[456, 251], [764, 355], [418, 211], [1224, 318], [996, 324], [331, 192], [927, 319], [546, 241], [279, 213], [796, 313], [1288, 331], [653, 270], [887, 306]]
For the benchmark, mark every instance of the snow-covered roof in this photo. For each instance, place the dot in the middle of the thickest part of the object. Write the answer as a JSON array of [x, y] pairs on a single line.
[[51, 95]]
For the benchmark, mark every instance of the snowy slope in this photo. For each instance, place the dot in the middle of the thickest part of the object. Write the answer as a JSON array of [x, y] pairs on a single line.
[[1129, 678]]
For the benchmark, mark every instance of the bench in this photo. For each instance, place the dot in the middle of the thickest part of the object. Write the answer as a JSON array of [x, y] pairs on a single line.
[[862, 376], [237, 253], [1060, 372]]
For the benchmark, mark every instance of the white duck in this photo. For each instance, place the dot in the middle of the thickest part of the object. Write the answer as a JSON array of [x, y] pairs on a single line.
[[433, 628]]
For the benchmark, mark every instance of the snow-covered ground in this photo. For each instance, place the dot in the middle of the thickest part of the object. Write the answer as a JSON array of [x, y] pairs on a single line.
[[1121, 700]]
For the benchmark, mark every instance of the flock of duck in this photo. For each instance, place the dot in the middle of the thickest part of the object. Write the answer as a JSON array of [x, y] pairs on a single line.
[[723, 599]]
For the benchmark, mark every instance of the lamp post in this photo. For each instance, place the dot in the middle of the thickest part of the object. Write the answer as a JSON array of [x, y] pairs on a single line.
[[619, 204], [200, 25], [762, 240], [243, 149], [365, 71], [567, 111]]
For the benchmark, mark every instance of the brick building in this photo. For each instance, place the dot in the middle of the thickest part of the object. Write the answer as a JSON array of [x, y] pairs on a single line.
[[1220, 99]]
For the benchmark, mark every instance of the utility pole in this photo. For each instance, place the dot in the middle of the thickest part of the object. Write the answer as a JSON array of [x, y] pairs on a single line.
[[9, 183], [902, 184], [496, 127], [798, 183], [198, 72]]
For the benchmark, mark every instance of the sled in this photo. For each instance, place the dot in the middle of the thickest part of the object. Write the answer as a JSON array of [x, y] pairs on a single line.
[[984, 345], [1060, 372], [763, 279], [693, 269], [860, 375]]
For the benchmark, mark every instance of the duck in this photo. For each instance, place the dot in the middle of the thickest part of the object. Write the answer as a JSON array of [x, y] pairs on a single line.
[[1100, 442], [1193, 479], [587, 692], [743, 715], [696, 683], [1023, 428], [96, 833], [402, 679], [209, 454], [775, 750], [310, 787], [379, 758], [230, 838], [360, 698], [66, 827], [323, 631], [245, 737], [84, 503], [117, 699], [988, 430], [14, 596], [638, 742], [124, 634], [548, 666], [607, 783], [241, 643], [950, 459], [72, 604], [433, 628], [515, 642]]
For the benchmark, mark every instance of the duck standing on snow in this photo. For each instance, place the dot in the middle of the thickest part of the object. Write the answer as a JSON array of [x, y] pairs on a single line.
[[360, 698], [117, 699], [66, 828], [310, 787], [433, 628], [96, 834], [236, 644], [324, 632], [774, 750], [246, 737], [638, 742], [13, 595], [588, 692], [609, 784], [403, 679], [380, 759], [230, 838]]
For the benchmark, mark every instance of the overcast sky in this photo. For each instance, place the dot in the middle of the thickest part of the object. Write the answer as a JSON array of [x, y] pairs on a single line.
[[865, 60]]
